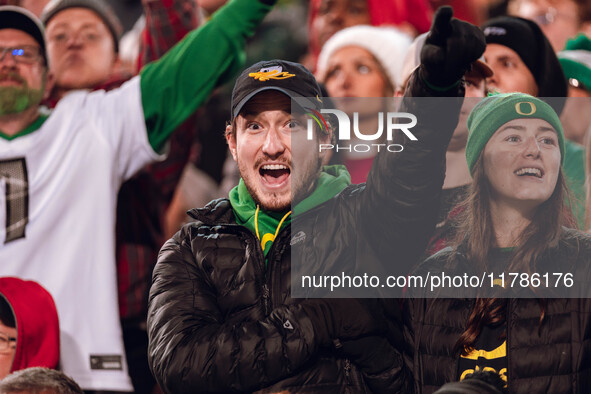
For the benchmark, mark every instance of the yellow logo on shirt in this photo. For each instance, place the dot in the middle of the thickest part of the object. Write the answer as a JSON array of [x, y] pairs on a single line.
[[266, 238], [475, 354], [502, 373], [499, 352]]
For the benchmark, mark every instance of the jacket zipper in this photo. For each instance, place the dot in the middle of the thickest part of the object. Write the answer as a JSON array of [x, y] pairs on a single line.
[[273, 279], [347, 369], [260, 263], [266, 299], [267, 302]]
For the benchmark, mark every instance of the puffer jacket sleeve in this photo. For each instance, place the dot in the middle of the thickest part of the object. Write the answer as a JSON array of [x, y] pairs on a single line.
[[407, 185], [191, 348]]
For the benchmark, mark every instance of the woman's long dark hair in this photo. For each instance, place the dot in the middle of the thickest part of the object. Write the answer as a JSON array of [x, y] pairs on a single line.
[[476, 238]]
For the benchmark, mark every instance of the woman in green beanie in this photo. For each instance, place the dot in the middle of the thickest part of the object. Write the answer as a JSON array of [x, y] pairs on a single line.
[[513, 223]]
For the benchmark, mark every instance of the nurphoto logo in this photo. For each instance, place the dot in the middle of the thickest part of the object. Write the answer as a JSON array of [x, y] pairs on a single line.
[[401, 121]]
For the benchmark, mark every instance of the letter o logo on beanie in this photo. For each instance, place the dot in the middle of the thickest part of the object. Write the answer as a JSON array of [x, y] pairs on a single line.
[[532, 108], [496, 110]]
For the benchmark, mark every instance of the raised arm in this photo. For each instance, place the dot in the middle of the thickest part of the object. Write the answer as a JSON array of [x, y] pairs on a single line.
[[403, 189], [173, 87]]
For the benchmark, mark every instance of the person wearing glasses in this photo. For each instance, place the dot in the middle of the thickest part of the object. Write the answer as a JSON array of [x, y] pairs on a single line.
[[7, 337], [560, 20], [29, 326], [61, 171]]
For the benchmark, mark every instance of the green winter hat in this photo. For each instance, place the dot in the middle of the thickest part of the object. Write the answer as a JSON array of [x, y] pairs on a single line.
[[496, 110], [576, 62]]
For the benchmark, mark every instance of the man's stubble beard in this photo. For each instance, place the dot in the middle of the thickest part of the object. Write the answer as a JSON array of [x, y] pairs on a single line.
[[297, 192]]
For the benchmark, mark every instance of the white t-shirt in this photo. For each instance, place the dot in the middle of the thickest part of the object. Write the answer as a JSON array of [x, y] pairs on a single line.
[[74, 164]]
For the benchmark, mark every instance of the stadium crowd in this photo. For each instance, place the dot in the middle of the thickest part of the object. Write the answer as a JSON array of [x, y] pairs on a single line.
[[164, 181]]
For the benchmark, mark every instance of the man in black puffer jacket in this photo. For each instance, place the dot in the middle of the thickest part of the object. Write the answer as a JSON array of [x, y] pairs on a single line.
[[221, 315]]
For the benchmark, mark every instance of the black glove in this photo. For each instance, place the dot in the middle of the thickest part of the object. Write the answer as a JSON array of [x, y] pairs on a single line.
[[340, 318], [450, 49], [372, 354]]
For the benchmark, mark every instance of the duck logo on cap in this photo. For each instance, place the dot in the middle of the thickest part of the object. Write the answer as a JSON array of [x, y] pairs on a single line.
[[520, 110], [274, 72]]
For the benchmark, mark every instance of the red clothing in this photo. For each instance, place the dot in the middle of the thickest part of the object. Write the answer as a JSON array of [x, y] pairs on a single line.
[[465, 10], [167, 22], [143, 199], [382, 12], [141, 204], [394, 12], [38, 333], [358, 169]]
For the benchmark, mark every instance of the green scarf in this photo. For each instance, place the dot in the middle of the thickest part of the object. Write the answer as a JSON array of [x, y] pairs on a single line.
[[267, 224]]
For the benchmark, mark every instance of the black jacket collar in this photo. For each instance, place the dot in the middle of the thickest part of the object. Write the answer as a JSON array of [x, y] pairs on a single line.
[[217, 212]]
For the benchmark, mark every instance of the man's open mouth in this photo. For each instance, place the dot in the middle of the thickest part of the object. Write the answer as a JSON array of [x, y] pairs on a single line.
[[530, 171], [11, 80], [274, 174]]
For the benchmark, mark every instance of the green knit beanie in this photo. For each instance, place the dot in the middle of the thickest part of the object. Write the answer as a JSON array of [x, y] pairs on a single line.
[[576, 61], [496, 110]]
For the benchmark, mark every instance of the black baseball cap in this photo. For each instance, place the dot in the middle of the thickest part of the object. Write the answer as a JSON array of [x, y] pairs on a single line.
[[289, 78], [12, 17]]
